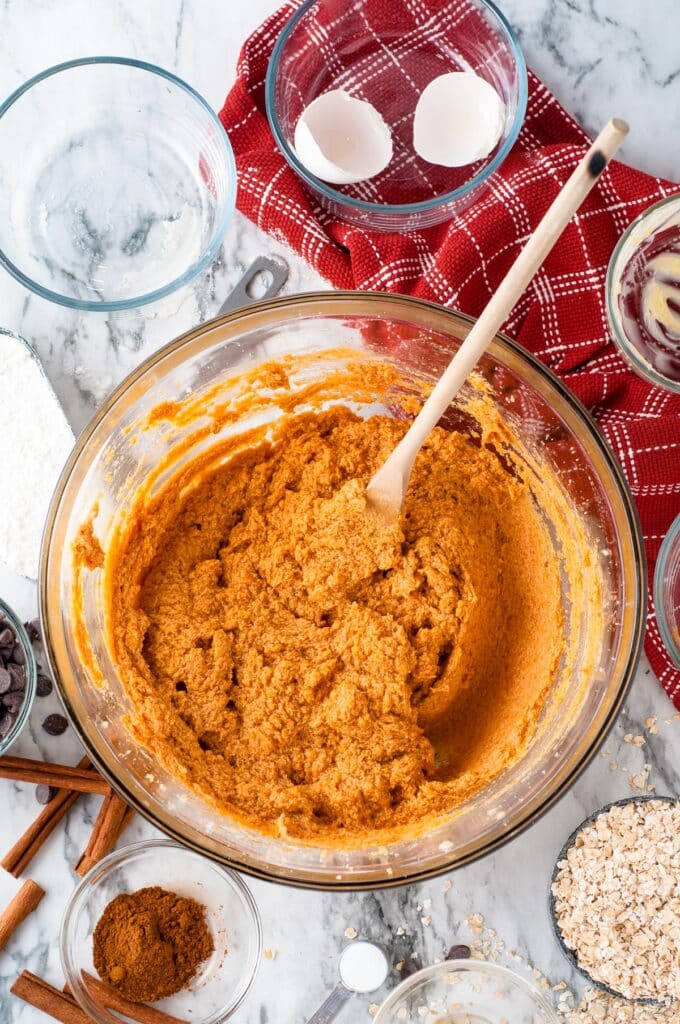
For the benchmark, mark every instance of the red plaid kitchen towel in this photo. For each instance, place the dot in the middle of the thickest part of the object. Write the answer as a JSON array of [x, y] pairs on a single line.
[[561, 317]]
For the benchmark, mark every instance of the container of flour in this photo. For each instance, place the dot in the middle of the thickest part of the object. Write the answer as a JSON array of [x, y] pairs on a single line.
[[36, 441]]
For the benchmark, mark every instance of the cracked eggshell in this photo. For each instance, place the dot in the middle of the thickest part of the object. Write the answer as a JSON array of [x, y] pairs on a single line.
[[341, 139], [459, 119]]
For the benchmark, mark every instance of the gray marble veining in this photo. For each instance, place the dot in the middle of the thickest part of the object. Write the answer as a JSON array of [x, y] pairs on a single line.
[[600, 58]]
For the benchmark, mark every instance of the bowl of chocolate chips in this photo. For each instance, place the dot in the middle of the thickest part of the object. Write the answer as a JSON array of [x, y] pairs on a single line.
[[18, 676]]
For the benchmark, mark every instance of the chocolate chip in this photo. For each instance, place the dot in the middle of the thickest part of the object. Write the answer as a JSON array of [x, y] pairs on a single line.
[[18, 655], [5, 680], [33, 629], [44, 687], [12, 702], [6, 723], [6, 652], [408, 968], [7, 637], [18, 676], [55, 725], [458, 953], [44, 794]]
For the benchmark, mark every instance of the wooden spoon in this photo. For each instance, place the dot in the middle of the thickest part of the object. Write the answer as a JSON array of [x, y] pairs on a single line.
[[387, 487]]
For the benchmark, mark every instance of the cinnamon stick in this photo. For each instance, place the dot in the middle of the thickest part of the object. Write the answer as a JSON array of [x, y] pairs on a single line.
[[113, 818], [24, 850], [18, 909], [104, 994], [50, 1000], [61, 776]]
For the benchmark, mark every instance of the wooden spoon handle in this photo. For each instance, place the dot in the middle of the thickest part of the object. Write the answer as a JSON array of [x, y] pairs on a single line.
[[559, 213]]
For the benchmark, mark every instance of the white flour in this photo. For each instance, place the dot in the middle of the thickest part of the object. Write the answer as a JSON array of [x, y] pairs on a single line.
[[35, 442]]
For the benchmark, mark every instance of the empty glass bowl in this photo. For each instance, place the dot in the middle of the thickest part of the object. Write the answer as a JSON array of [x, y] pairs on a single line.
[[123, 189], [465, 992], [387, 57], [667, 591], [31, 671], [222, 980]]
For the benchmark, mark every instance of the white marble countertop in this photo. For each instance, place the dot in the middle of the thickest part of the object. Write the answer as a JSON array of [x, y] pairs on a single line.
[[601, 59]]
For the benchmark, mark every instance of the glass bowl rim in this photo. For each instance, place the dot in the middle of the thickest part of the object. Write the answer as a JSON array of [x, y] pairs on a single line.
[[671, 538], [447, 966], [379, 300], [625, 347], [229, 203], [398, 208], [117, 858], [31, 674], [641, 798]]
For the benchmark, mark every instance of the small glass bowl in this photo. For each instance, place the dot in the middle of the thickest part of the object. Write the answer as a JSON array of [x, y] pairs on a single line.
[[364, 49], [124, 188], [568, 952], [667, 591], [223, 980], [470, 991], [661, 215], [31, 676]]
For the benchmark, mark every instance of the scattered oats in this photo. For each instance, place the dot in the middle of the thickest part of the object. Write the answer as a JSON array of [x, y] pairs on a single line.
[[351, 933], [617, 901], [475, 922], [402, 1013], [560, 986], [373, 1009], [448, 884], [427, 903], [414, 956], [270, 954], [613, 766], [638, 782], [651, 725], [635, 741], [399, 966], [426, 920], [400, 931]]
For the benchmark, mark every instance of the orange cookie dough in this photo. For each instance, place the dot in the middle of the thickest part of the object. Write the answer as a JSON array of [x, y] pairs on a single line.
[[315, 677]]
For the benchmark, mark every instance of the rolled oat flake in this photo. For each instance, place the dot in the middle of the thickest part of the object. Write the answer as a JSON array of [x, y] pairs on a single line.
[[617, 899]]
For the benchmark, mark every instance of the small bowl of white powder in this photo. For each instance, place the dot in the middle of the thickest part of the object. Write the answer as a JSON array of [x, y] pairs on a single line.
[[37, 440]]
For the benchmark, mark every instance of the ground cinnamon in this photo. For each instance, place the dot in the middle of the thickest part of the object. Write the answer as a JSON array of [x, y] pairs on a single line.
[[148, 944]]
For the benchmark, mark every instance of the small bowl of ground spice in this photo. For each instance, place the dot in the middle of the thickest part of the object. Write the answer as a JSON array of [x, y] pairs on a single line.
[[615, 899], [158, 925]]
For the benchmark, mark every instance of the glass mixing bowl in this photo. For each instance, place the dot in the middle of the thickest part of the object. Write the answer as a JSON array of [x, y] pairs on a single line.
[[371, 53], [117, 183], [465, 992], [107, 465]]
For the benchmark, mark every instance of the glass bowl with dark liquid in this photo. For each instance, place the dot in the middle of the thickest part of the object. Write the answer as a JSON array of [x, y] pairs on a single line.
[[643, 294]]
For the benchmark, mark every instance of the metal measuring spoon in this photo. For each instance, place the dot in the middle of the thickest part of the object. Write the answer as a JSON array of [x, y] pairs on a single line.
[[363, 968]]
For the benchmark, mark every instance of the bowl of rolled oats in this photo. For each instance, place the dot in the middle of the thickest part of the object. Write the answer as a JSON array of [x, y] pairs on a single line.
[[615, 899]]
